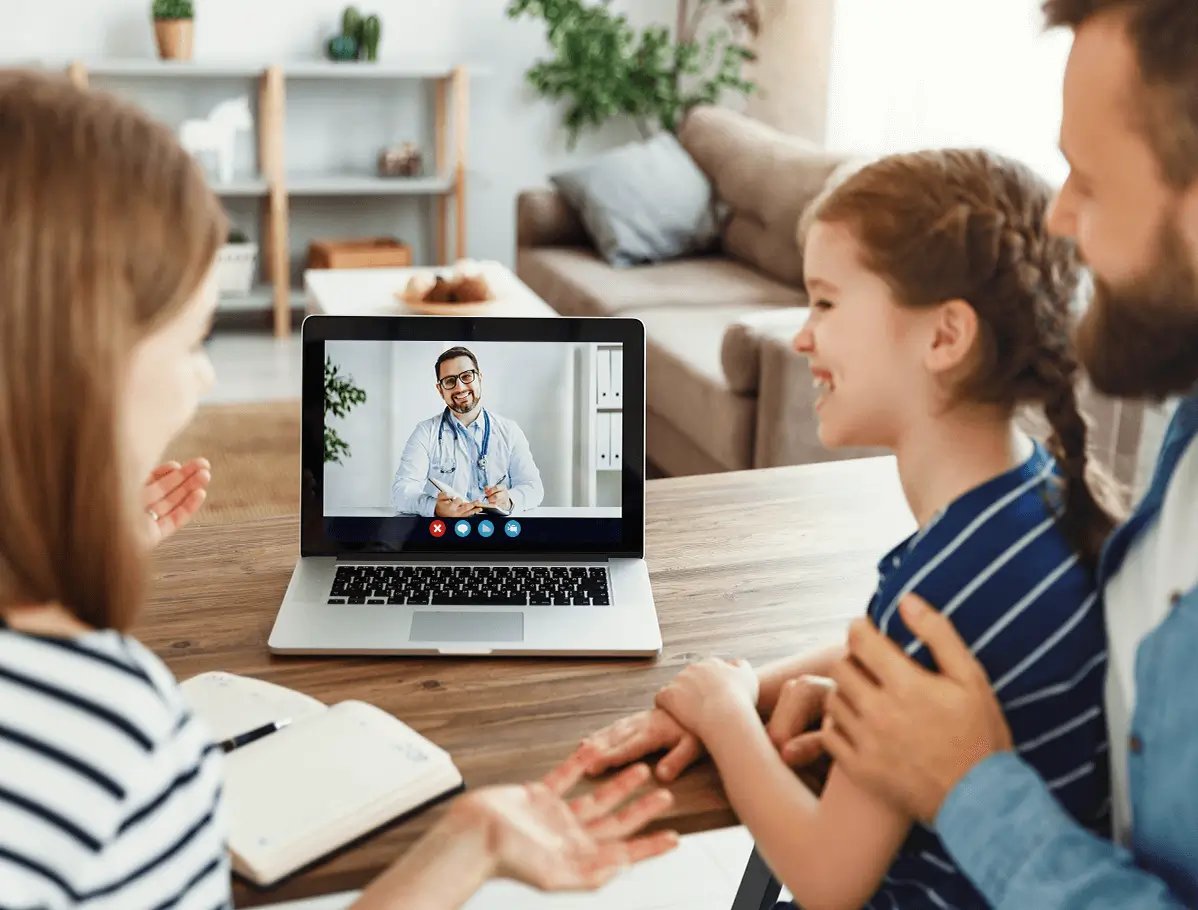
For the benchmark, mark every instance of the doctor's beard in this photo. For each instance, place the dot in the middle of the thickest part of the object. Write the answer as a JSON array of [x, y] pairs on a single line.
[[466, 407]]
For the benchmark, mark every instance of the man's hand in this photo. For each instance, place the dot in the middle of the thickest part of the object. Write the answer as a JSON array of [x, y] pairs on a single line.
[[705, 692], [906, 733], [539, 838], [636, 736], [173, 493], [800, 703], [498, 496], [448, 507]]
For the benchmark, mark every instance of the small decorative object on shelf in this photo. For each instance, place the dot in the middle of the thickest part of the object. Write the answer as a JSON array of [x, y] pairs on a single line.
[[217, 136], [366, 253], [403, 160], [372, 32], [236, 264], [359, 38], [174, 28]]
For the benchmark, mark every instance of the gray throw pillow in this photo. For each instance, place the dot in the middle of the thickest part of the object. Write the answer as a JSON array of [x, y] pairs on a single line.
[[643, 202]]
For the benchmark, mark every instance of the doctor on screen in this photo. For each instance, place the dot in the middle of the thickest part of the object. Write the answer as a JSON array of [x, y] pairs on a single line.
[[479, 454]]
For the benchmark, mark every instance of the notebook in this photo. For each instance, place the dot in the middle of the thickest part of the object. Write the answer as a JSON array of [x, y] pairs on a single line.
[[334, 774]]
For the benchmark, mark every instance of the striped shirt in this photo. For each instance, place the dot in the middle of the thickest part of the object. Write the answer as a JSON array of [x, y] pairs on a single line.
[[109, 787], [996, 562]]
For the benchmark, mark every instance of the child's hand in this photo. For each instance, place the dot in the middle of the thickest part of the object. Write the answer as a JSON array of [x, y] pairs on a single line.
[[637, 735], [705, 691]]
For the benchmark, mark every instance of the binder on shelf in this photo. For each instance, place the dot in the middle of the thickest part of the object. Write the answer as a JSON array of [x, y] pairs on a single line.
[[617, 439], [603, 378], [603, 441], [617, 378]]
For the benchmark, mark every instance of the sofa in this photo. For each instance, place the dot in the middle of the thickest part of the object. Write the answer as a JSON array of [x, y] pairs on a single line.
[[724, 388]]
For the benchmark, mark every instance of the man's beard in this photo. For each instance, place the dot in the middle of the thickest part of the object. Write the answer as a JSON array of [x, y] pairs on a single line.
[[465, 408], [1140, 339]]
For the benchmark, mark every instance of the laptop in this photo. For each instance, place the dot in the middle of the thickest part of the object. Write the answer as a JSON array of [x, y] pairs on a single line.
[[471, 486]]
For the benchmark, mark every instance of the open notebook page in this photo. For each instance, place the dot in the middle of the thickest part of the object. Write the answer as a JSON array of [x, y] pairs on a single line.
[[230, 704], [308, 789]]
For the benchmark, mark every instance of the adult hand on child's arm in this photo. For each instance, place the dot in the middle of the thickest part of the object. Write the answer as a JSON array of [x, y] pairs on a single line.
[[905, 733], [638, 735]]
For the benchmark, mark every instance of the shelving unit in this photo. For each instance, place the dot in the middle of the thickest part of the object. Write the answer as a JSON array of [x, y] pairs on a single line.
[[275, 187]]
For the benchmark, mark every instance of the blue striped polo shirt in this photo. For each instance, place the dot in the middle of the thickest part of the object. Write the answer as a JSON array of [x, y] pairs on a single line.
[[996, 562]]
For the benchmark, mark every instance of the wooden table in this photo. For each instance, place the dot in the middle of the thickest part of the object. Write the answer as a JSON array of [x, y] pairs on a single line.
[[754, 564], [371, 292]]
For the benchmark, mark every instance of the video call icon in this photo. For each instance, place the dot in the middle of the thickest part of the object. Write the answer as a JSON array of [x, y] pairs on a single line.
[[437, 528], [512, 528]]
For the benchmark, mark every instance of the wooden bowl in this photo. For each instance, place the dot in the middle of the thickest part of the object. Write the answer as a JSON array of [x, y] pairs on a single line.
[[429, 308], [441, 308]]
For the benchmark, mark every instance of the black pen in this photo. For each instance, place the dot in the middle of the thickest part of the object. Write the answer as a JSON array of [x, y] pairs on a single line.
[[244, 739]]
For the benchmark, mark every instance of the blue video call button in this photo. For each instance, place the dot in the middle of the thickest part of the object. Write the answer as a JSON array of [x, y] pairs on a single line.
[[485, 528], [511, 528], [462, 528]]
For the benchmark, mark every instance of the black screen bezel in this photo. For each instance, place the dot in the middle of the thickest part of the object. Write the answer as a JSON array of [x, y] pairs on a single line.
[[568, 329]]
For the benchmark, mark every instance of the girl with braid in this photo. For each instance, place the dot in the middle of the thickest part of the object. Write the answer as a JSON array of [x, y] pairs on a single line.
[[940, 306]]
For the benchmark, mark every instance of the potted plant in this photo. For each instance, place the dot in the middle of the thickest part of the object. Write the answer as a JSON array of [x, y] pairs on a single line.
[[174, 27], [340, 397], [236, 264], [604, 67], [359, 38]]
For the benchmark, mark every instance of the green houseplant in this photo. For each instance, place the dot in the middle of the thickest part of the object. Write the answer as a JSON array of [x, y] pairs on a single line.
[[174, 28], [359, 38], [340, 397], [602, 67]]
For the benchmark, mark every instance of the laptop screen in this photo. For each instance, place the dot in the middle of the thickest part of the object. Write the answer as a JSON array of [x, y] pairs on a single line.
[[468, 445]]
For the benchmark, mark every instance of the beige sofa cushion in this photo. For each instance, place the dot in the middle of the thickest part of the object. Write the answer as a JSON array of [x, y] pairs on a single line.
[[765, 177], [684, 380], [740, 352], [578, 283]]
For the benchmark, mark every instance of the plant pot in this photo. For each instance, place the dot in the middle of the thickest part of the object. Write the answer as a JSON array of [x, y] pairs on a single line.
[[174, 37], [236, 266]]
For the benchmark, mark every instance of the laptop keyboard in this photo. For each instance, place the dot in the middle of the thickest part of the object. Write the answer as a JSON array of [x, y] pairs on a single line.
[[464, 586]]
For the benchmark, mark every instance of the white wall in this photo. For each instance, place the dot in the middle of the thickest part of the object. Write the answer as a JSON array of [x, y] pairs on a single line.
[[925, 73], [530, 384], [514, 140]]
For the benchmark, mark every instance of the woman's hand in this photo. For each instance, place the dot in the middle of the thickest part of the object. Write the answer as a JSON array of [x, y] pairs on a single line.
[[537, 837], [172, 494], [707, 691], [529, 833], [636, 736]]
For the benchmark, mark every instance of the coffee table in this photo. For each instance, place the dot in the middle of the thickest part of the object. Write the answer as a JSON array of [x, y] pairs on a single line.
[[371, 292]]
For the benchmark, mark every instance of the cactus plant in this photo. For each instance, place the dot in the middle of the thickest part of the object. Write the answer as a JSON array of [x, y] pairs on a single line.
[[371, 31], [172, 9], [343, 47]]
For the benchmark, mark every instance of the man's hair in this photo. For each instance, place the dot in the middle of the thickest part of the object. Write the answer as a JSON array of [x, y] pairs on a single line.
[[1164, 36], [453, 354]]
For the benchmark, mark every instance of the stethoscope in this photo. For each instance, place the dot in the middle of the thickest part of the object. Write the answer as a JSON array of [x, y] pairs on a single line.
[[482, 452]]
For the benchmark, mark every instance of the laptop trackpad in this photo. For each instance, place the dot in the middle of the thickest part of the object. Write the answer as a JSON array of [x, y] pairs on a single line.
[[431, 625]]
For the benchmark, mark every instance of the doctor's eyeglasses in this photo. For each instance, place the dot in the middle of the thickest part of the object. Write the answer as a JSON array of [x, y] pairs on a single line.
[[451, 382]]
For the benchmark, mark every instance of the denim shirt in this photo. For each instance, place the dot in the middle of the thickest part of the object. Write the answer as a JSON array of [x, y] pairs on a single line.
[[1011, 837]]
